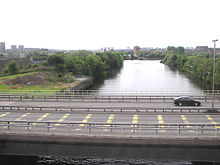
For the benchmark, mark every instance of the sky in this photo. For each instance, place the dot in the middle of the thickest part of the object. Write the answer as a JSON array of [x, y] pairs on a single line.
[[93, 24]]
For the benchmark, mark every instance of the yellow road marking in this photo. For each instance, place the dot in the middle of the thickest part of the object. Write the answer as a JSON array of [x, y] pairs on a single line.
[[110, 118], [209, 117], [135, 120], [192, 131], [42, 117], [160, 120], [185, 120], [62, 119], [85, 120], [4, 114], [212, 121], [22, 116]]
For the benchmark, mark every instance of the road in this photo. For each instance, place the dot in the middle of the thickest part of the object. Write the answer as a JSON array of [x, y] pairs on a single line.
[[108, 118], [104, 104]]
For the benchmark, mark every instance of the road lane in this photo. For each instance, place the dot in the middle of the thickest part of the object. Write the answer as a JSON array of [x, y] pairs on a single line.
[[107, 104], [111, 118]]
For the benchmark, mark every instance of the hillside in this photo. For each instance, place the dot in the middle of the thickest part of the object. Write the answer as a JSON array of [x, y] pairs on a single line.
[[38, 81]]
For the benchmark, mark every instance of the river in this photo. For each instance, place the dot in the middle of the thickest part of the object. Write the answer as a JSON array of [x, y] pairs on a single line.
[[149, 76]]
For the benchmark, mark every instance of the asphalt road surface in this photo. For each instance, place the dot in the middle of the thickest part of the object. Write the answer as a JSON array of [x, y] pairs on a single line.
[[108, 118], [105, 104]]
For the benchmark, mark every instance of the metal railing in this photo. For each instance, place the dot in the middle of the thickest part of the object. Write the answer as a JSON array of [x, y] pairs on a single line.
[[100, 92], [108, 98], [108, 109], [199, 129]]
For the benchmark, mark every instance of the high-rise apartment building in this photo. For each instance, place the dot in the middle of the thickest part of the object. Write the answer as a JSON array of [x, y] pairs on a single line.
[[13, 47], [2, 47], [21, 47]]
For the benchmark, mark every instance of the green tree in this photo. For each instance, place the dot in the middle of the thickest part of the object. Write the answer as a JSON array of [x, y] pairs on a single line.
[[217, 73], [55, 60], [171, 49], [11, 68], [180, 50]]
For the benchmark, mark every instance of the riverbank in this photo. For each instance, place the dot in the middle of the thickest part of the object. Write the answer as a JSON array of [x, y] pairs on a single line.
[[199, 65], [44, 81]]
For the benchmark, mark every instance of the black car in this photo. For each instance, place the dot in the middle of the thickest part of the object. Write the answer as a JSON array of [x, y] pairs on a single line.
[[186, 101]]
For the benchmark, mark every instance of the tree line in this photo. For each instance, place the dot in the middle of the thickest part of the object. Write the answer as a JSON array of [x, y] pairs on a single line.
[[199, 65], [96, 65]]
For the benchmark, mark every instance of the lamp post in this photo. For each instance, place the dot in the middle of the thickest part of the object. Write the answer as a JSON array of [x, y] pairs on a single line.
[[213, 83]]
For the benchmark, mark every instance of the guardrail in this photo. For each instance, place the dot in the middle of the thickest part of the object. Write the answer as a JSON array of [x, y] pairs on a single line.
[[105, 98], [109, 109], [70, 127], [100, 92]]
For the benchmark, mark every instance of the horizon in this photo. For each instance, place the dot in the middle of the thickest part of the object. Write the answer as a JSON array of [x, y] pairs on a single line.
[[130, 48]]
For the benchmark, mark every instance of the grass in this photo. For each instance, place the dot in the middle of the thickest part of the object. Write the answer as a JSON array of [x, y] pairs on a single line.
[[39, 87], [16, 75], [55, 84], [52, 86]]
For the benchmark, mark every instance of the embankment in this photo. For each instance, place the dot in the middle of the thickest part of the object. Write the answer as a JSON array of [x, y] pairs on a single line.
[[82, 83]]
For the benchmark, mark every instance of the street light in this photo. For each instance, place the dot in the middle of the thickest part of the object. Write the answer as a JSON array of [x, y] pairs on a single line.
[[213, 83]]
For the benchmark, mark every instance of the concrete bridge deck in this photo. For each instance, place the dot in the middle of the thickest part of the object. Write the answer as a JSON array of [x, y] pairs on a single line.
[[133, 142]]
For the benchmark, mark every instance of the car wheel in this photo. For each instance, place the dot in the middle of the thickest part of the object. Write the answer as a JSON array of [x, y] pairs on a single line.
[[196, 104], [180, 104]]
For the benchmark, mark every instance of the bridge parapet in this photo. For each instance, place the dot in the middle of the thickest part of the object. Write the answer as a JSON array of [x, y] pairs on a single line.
[[109, 93], [182, 130]]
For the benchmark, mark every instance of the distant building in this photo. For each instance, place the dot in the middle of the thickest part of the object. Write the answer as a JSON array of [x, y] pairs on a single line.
[[2, 47], [21, 47], [202, 49], [13, 47]]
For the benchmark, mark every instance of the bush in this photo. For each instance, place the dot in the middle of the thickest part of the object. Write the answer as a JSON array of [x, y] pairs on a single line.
[[11, 68]]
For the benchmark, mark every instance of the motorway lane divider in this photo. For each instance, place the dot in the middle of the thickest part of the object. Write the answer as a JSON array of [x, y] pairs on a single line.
[[144, 129], [109, 109]]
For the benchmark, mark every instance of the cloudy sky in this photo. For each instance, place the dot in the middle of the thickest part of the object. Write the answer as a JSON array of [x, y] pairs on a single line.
[[92, 24]]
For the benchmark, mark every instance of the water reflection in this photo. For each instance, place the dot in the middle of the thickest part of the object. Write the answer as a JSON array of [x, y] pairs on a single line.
[[148, 75]]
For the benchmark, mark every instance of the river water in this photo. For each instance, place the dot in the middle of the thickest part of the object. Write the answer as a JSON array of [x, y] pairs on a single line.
[[149, 76]]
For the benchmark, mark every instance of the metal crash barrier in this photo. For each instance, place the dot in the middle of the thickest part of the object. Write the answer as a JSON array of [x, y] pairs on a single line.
[[99, 98], [144, 129], [106, 109]]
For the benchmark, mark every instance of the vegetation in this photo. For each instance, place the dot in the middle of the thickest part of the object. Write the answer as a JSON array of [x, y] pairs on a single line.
[[37, 56], [59, 71], [199, 65], [151, 54], [11, 68], [86, 63]]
